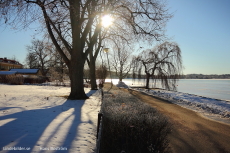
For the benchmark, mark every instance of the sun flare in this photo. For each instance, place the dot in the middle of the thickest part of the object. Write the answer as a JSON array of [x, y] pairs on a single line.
[[107, 20]]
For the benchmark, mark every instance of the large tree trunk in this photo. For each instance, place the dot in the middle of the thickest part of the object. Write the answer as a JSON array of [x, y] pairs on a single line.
[[76, 78], [120, 78], [92, 73], [147, 81], [120, 75], [77, 56]]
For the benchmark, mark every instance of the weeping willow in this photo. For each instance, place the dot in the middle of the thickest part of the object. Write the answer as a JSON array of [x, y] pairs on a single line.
[[162, 63]]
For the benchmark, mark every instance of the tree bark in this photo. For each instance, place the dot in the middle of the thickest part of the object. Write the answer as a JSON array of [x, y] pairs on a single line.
[[147, 81], [120, 76], [77, 83], [92, 73]]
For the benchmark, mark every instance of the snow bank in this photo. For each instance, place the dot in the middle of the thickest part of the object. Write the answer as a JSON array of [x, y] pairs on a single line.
[[194, 102], [122, 85], [39, 119]]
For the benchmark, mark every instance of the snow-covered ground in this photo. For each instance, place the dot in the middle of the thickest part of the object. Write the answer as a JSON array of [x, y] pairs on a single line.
[[212, 108], [40, 119]]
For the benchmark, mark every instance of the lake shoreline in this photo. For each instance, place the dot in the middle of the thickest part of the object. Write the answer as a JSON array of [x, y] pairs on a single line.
[[213, 88], [142, 87]]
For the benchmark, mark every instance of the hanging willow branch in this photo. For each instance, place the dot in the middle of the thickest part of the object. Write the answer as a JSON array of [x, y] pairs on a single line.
[[163, 63]]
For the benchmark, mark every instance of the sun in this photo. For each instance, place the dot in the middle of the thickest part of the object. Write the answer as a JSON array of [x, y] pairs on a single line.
[[106, 20]]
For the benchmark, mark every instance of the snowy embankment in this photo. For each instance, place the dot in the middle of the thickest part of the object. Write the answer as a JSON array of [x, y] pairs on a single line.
[[40, 119], [205, 105], [122, 85]]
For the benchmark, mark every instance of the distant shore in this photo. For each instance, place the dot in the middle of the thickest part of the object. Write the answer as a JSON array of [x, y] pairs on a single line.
[[203, 76], [184, 76]]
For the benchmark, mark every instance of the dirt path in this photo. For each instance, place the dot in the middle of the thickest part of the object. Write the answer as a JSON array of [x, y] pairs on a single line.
[[191, 132]]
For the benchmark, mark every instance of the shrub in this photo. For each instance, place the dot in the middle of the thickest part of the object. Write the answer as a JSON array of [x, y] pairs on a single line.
[[14, 79], [101, 74], [3, 79], [19, 79], [132, 126], [35, 79]]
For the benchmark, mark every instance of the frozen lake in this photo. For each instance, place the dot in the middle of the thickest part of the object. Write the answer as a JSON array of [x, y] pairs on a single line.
[[213, 88]]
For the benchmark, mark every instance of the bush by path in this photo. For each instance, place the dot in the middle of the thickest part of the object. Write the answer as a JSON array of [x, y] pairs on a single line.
[[132, 126]]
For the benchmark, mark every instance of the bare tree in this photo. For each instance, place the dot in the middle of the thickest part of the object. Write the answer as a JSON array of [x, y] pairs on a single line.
[[38, 56], [121, 59], [57, 63], [74, 25], [164, 62], [31, 61]]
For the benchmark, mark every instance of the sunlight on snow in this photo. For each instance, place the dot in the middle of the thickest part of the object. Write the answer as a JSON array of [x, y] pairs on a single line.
[[57, 130], [5, 121]]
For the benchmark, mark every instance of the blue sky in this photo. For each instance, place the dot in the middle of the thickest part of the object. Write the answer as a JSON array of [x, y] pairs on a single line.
[[202, 30], [200, 27], [13, 43]]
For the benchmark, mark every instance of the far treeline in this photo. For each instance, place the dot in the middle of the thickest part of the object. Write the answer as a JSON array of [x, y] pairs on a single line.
[[190, 76], [203, 76]]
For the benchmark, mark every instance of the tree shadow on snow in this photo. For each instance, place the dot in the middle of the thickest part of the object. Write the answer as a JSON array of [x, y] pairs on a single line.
[[51, 127]]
